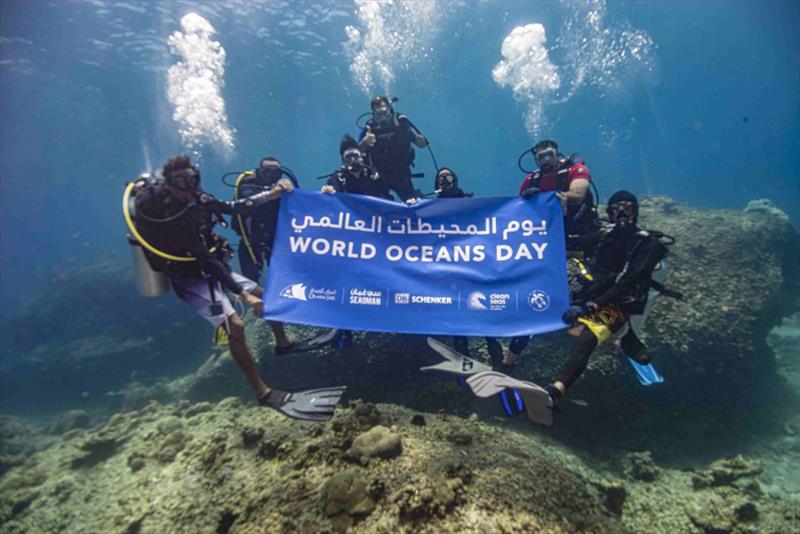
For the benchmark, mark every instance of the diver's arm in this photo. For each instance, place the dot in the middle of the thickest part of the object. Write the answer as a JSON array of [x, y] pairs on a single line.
[[333, 185], [577, 191], [251, 201], [366, 139], [219, 271]]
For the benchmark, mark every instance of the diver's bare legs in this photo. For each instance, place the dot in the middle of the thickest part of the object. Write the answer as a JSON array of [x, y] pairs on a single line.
[[281, 339], [241, 355]]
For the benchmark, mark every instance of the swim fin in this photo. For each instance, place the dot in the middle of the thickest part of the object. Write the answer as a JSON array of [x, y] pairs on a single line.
[[312, 343], [646, 373], [536, 400], [511, 402], [454, 362], [307, 405], [221, 337]]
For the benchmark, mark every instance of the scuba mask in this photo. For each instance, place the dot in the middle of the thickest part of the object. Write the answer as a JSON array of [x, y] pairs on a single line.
[[269, 175], [186, 180], [445, 180], [353, 160], [547, 159], [622, 213]]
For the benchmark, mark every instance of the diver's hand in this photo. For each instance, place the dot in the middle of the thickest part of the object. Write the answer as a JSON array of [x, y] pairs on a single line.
[[329, 189], [528, 193], [285, 184], [420, 140], [572, 313], [369, 140], [254, 302], [411, 201], [563, 198]]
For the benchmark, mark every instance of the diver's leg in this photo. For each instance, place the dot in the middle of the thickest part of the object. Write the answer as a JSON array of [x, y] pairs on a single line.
[[461, 344], [578, 358], [495, 350], [515, 348], [281, 339], [241, 355]]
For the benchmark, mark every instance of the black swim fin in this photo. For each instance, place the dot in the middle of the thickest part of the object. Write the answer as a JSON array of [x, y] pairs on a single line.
[[307, 405], [312, 343]]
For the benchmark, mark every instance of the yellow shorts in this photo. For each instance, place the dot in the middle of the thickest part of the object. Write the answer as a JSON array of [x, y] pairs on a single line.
[[604, 322]]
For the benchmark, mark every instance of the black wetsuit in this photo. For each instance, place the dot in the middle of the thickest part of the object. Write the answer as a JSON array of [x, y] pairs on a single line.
[[258, 225], [189, 233], [622, 268], [392, 154], [363, 183]]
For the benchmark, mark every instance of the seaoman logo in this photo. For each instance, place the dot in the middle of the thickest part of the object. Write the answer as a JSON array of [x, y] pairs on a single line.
[[476, 301], [294, 291]]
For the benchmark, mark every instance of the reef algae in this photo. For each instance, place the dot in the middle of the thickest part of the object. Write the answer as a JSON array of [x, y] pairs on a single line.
[[219, 481]]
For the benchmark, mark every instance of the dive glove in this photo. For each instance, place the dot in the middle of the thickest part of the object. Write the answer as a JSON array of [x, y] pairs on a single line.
[[528, 193], [572, 313]]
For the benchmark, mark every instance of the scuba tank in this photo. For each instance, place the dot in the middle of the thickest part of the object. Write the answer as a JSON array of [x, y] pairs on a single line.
[[149, 282]]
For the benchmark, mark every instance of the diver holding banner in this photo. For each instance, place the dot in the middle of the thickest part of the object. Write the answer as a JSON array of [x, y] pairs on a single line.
[[476, 266]]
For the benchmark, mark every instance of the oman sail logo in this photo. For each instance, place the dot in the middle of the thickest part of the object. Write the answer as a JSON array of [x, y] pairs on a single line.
[[294, 291]]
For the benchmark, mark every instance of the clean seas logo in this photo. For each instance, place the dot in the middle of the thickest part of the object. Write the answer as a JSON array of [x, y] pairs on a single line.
[[495, 301], [539, 300], [294, 291], [477, 301]]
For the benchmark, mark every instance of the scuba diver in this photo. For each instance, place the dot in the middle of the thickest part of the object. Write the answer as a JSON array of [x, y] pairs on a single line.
[[387, 139], [622, 289], [445, 185], [172, 221], [571, 179], [355, 176], [256, 227], [622, 280]]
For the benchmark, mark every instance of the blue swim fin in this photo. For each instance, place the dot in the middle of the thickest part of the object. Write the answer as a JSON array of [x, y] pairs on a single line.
[[511, 401], [646, 374]]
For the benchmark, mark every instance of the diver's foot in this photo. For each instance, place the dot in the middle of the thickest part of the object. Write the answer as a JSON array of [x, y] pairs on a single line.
[[555, 395], [274, 398]]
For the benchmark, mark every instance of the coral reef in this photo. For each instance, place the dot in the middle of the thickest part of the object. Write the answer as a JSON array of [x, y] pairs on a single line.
[[216, 477]]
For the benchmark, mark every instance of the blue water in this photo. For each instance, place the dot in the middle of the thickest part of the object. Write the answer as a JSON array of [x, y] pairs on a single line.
[[708, 113]]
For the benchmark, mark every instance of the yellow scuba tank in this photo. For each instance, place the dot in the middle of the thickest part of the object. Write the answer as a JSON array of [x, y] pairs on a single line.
[[149, 282]]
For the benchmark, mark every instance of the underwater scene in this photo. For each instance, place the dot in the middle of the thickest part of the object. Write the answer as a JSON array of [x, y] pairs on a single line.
[[416, 266]]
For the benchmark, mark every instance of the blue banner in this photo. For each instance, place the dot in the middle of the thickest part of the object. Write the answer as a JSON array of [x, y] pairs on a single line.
[[467, 266]]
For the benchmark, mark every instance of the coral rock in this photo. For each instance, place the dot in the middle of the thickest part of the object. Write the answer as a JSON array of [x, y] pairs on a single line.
[[378, 442]]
